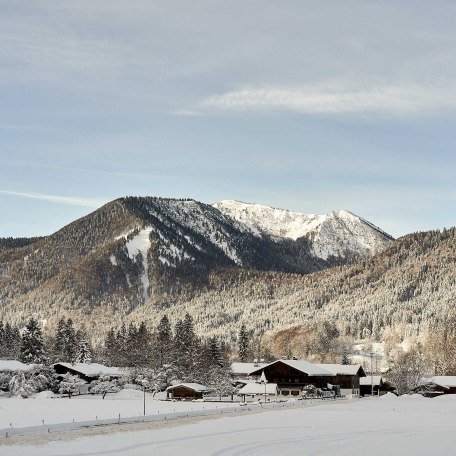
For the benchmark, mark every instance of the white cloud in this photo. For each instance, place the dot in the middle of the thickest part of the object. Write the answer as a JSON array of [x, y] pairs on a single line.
[[328, 98], [73, 201]]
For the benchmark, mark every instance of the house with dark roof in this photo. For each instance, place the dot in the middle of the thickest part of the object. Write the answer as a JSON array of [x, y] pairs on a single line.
[[88, 371], [292, 376], [347, 377]]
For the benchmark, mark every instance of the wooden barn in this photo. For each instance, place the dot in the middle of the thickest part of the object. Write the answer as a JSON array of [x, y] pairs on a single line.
[[438, 385], [186, 391], [291, 376], [347, 377], [88, 371], [380, 385]]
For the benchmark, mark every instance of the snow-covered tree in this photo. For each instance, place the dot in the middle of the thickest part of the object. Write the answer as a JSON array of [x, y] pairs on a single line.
[[220, 382], [84, 352], [32, 346], [408, 372], [104, 385], [20, 385], [70, 385]]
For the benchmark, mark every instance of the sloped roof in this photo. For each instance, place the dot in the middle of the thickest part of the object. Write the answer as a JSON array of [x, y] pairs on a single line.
[[11, 365], [312, 370], [366, 381], [344, 369], [92, 369], [259, 388], [245, 368], [447, 381], [193, 386]]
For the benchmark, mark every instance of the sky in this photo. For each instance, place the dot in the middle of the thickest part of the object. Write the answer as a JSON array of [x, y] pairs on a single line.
[[311, 106]]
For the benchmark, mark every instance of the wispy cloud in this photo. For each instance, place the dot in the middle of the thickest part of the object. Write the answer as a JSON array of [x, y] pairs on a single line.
[[73, 201], [330, 98]]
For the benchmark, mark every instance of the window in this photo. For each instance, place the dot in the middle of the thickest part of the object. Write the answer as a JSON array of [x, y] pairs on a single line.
[[295, 393], [296, 380], [285, 392]]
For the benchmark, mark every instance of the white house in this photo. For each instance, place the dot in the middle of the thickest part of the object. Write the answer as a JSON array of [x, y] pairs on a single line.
[[265, 392]]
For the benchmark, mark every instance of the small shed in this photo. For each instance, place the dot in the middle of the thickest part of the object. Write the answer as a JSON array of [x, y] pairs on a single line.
[[185, 391], [266, 392], [88, 371]]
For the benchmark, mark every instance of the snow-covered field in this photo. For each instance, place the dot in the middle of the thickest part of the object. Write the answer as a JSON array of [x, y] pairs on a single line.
[[387, 425], [18, 413]]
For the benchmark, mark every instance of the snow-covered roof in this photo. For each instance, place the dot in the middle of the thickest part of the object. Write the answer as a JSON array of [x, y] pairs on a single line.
[[259, 388], [366, 381], [11, 365], [92, 369], [192, 386], [447, 381], [245, 368], [310, 369], [343, 369]]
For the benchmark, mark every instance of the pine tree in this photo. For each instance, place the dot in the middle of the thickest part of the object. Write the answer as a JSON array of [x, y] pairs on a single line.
[[84, 352], [110, 349], [216, 352], [243, 344], [164, 339], [32, 346]]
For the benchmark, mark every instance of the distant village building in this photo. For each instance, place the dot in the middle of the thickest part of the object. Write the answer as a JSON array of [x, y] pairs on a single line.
[[88, 371], [380, 386], [347, 377], [264, 392], [186, 391], [293, 377], [438, 385], [241, 371]]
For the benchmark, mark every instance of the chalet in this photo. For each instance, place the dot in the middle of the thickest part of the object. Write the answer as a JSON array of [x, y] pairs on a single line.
[[241, 371], [380, 386], [186, 391], [292, 376], [264, 392], [88, 372], [347, 377], [438, 385]]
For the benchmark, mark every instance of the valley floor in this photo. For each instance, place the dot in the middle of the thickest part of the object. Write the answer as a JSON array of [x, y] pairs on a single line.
[[387, 425]]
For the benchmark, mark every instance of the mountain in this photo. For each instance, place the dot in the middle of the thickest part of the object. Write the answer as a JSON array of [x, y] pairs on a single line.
[[146, 254]]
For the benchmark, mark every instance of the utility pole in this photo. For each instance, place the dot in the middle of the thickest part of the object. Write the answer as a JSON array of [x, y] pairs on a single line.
[[372, 374]]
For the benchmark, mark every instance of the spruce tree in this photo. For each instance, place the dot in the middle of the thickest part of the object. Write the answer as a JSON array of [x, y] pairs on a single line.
[[243, 344], [84, 352], [32, 346], [164, 339], [111, 357]]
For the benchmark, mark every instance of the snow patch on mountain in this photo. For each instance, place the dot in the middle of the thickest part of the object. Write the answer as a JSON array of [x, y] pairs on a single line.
[[138, 247]]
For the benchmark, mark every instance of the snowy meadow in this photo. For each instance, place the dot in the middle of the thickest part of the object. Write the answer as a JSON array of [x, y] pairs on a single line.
[[396, 425]]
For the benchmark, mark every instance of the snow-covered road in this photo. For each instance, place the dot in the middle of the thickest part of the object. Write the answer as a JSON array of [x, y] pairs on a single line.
[[383, 426]]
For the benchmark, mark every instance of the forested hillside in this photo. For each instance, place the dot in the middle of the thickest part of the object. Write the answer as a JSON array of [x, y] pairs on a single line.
[[137, 259]]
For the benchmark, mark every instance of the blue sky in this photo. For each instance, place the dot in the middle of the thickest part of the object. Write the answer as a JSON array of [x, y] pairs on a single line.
[[306, 105]]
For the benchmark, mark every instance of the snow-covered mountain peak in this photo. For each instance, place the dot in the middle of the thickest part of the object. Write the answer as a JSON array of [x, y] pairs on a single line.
[[261, 219], [338, 233]]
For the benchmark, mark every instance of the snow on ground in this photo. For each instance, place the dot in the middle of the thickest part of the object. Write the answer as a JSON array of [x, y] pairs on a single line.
[[30, 412], [406, 426]]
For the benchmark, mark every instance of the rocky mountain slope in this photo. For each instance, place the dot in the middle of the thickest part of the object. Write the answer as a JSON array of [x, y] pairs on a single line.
[[143, 255]]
